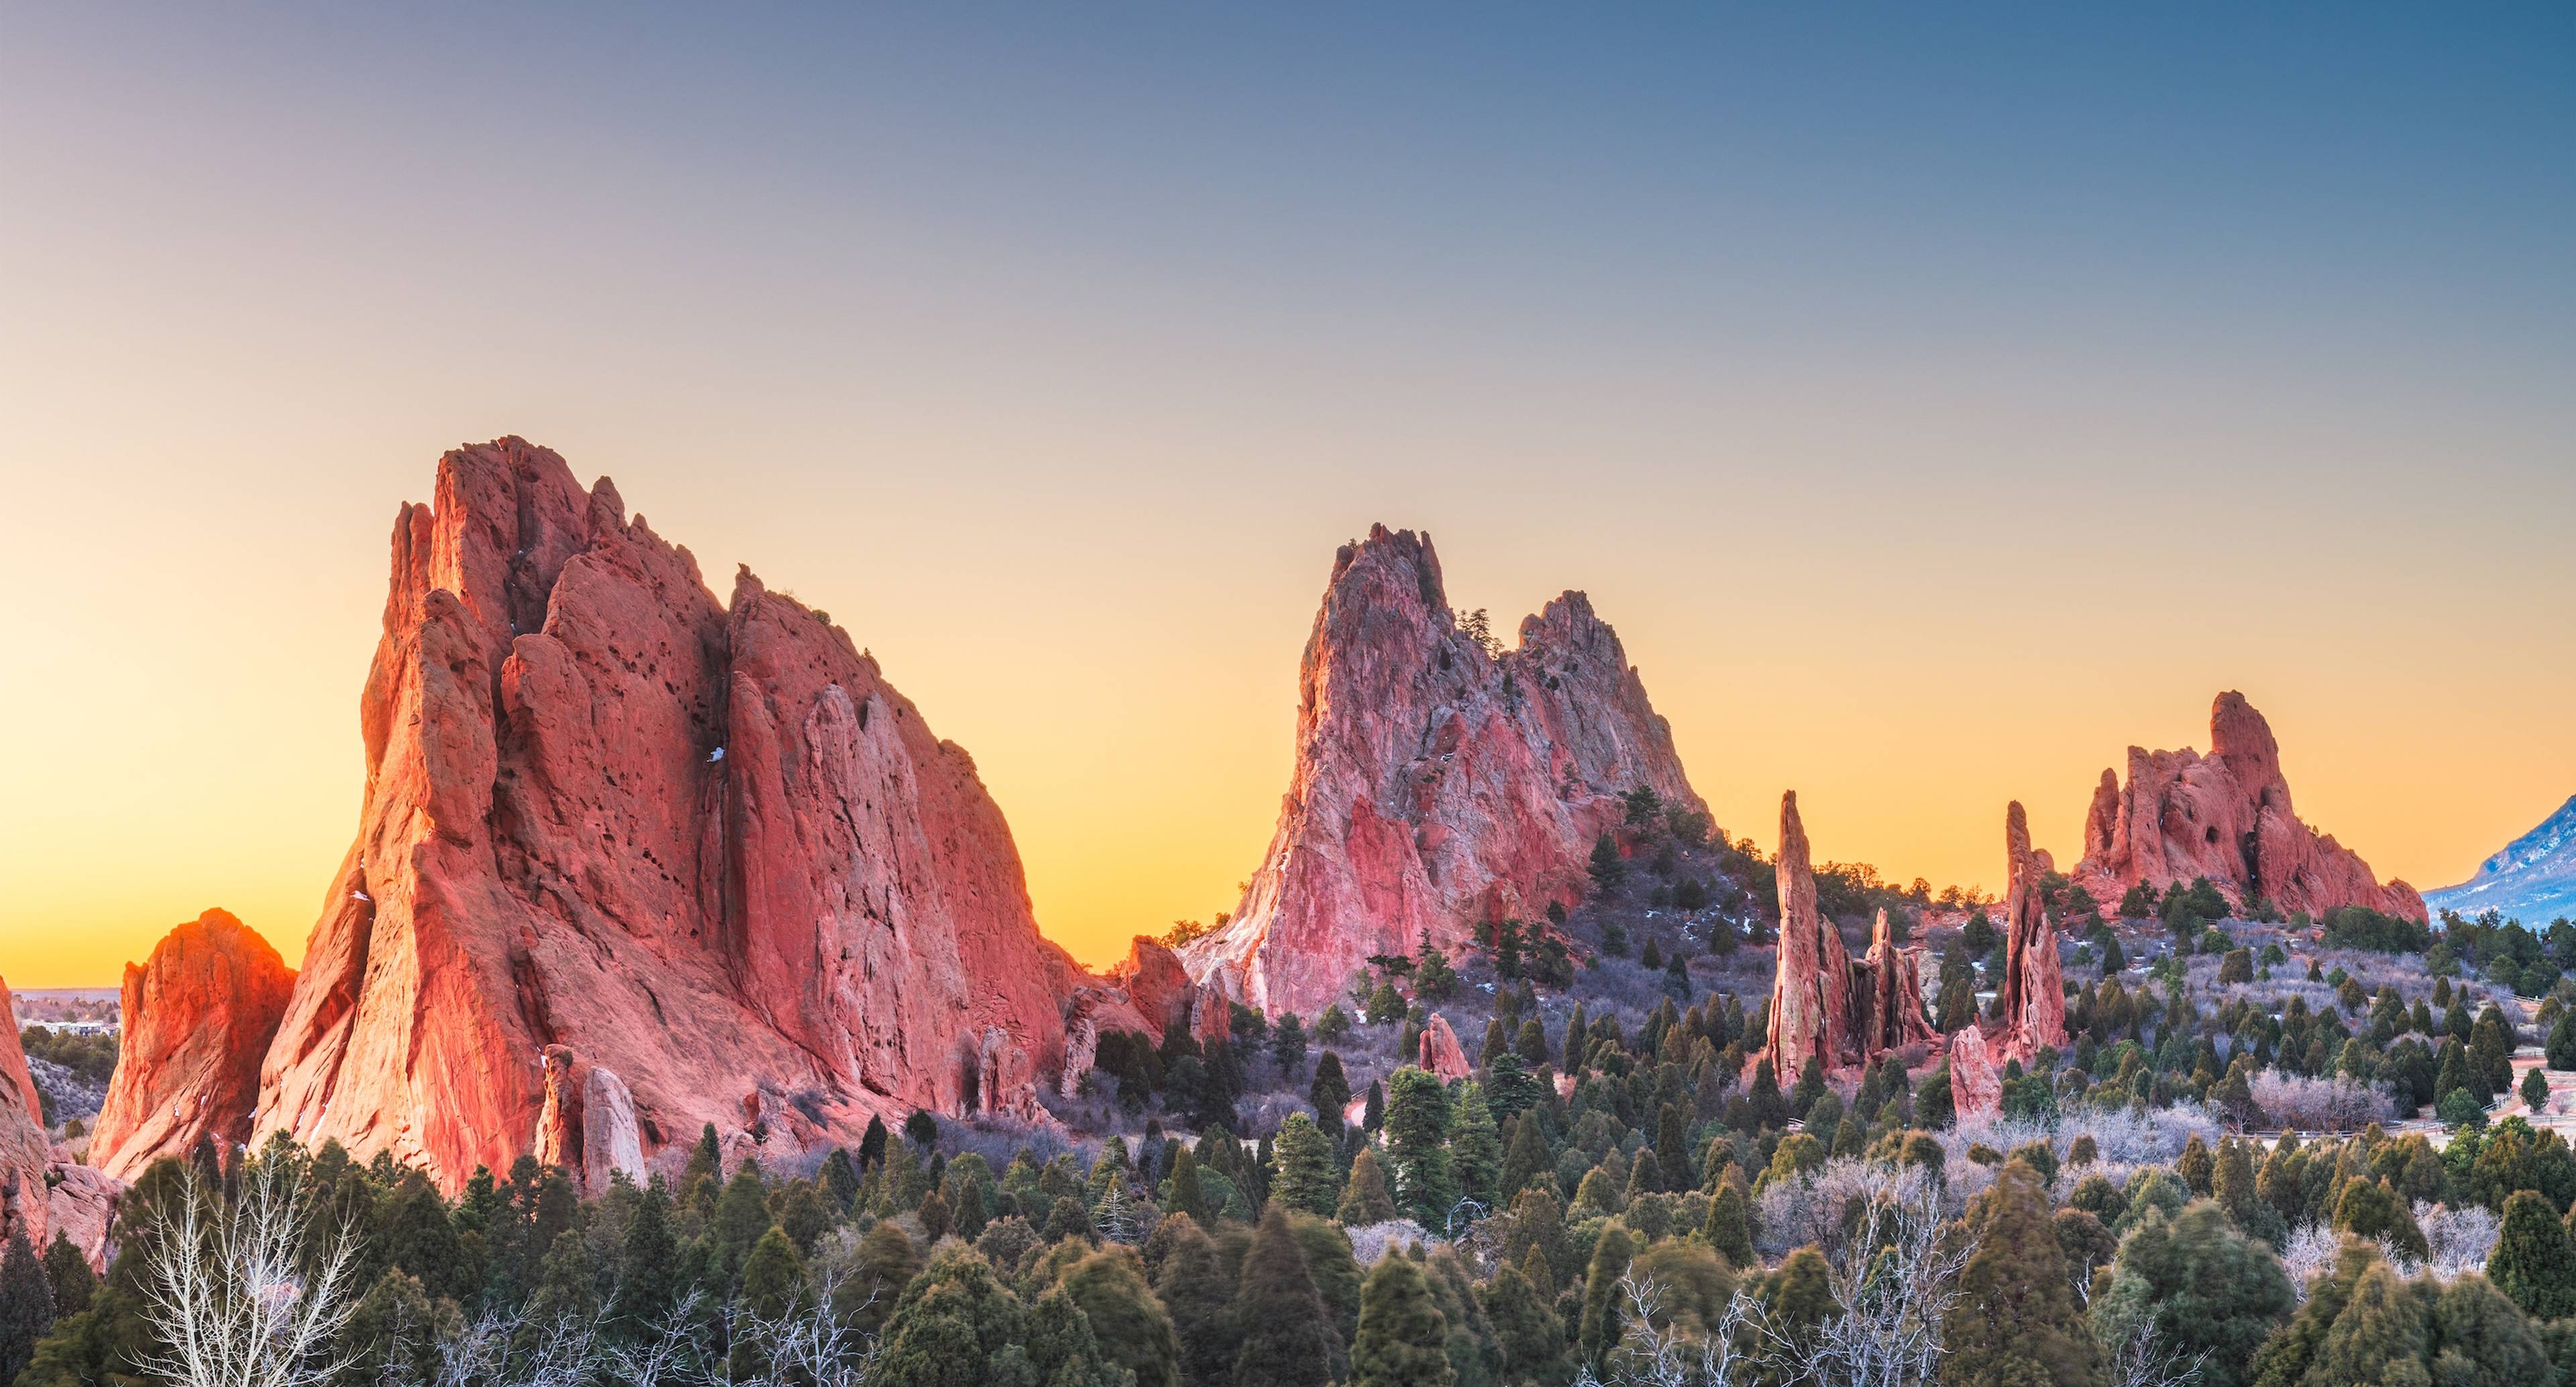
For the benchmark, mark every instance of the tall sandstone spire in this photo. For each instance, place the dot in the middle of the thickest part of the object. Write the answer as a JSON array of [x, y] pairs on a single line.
[[2225, 816], [2030, 1001], [625, 846], [1825, 1005], [1438, 784]]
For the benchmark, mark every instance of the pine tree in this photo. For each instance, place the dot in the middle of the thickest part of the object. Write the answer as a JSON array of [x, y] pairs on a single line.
[[1526, 1161], [2535, 1090], [1728, 1230], [951, 1325], [26, 1305], [1062, 1350], [1132, 1327], [741, 1216], [1288, 1338], [2381, 1331], [885, 1265], [1192, 1285], [702, 1176], [872, 1144], [1672, 1149], [1364, 1198], [773, 1274], [1183, 1194], [648, 1280], [1403, 1341], [2203, 1285], [1417, 1131], [1302, 1157], [2016, 1321], [1600, 1328], [840, 1178], [68, 1274], [1475, 1149], [1525, 1328], [1330, 1092], [2534, 1262]]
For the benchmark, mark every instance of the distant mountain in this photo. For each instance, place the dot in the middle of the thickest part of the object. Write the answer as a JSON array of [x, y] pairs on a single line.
[[2532, 880]]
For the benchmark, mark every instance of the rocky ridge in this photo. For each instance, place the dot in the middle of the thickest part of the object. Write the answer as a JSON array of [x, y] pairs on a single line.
[[1440, 781], [2225, 816], [632, 860]]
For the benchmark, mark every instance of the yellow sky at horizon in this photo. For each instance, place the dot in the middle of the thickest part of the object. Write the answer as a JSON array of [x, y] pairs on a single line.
[[1168, 803]]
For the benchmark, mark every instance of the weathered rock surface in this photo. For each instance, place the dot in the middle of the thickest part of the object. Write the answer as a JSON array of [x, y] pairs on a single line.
[[82, 1207], [703, 845], [1976, 1077], [1440, 1053], [25, 1151], [1436, 785], [2032, 991], [2225, 816], [198, 1016], [1825, 1005], [2030, 1001]]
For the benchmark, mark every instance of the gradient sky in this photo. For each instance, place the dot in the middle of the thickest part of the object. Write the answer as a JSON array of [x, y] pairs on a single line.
[[1937, 402]]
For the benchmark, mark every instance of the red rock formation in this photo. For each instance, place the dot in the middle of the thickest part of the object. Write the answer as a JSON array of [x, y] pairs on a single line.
[[1976, 1078], [25, 1151], [1436, 785], [1439, 1050], [197, 1018], [1811, 1011], [2030, 997], [1824, 1005], [14, 1075], [2227, 817], [1896, 1010], [704, 846]]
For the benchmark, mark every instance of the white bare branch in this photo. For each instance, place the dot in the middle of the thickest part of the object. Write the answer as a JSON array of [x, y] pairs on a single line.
[[226, 1293]]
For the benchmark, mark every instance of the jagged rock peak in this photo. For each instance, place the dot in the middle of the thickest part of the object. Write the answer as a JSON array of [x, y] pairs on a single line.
[[1440, 780], [197, 1016], [2226, 816], [611, 825], [1825, 1005]]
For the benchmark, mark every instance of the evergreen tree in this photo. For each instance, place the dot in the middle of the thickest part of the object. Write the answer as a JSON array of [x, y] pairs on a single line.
[[2534, 1263], [1525, 1162], [1302, 1156], [773, 1274], [741, 1216], [872, 1145], [67, 1273], [1193, 1287], [1672, 1149], [1475, 1149], [1288, 1046], [1330, 1092], [1728, 1231], [2380, 1333], [1132, 1327], [885, 1265], [954, 1326], [1525, 1329], [1403, 1341], [2535, 1090], [26, 1305], [2202, 1284], [1364, 1197], [1600, 1327], [2016, 1321], [1337, 1276], [1288, 1338], [1417, 1131], [1183, 1194], [700, 1178], [648, 1280], [1061, 1350], [840, 1178]]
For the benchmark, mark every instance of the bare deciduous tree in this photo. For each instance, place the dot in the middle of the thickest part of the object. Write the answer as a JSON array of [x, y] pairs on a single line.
[[230, 1294], [2141, 1359]]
